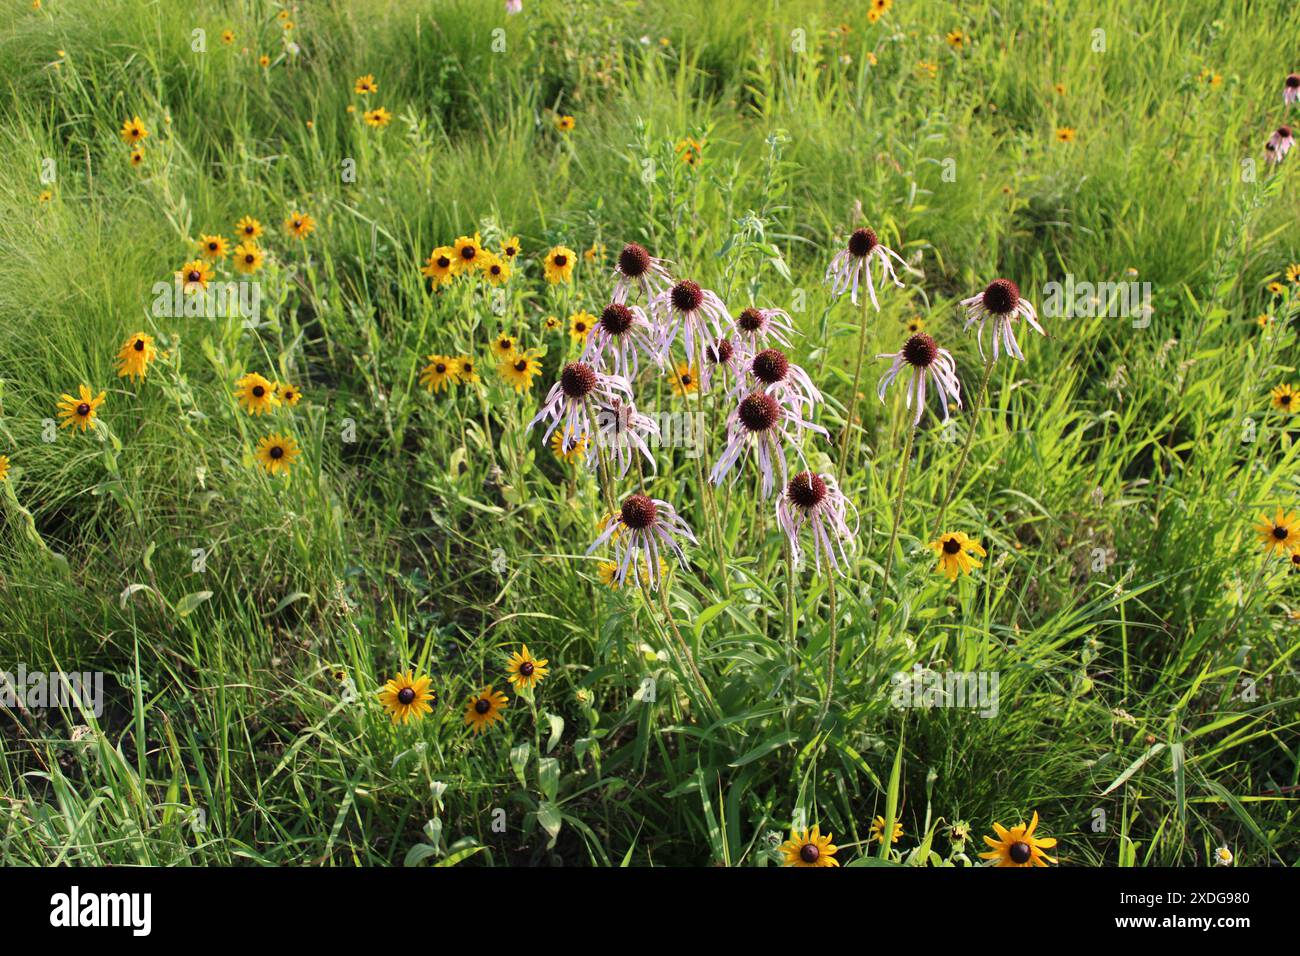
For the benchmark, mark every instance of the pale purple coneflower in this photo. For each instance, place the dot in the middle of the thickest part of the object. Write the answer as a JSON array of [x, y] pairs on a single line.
[[754, 327], [775, 374], [1291, 89], [927, 361], [621, 332], [623, 430], [1279, 144], [762, 423], [641, 528], [726, 357], [514, 6], [570, 400], [853, 263], [636, 267], [816, 501], [1001, 304], [698, 314]]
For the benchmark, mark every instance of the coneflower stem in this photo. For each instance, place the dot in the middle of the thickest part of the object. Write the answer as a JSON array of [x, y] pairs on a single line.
[[791, 625], [600, 457], [853, 395], [833, 650], [965, 451], [898, 511]]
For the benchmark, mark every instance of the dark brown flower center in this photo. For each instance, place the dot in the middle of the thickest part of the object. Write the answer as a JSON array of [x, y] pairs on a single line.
[[810, 853], [560, 260], [770, 366], [806, 490], [276, 451], [83, 409], [510, 252], [1019, 852], [1293, 81], [443, 262], [686, 296], [862, 242], [616, 319], [250, 258], [638, 512], [720, 352], [577, 380], [406, 695], [258, 391], [494, 269], [951, 546], [521, 365], [194, 275], [751, 320], [526, 668], [633, 261], [1001, 296], [468, 252], [1279, 533], [440, 368], [758, 411], [920, 350], [482, 705], [139, 345], [1284, 132]]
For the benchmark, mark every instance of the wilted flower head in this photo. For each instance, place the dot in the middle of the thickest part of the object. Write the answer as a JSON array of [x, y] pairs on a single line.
[[570, 399], [816, 501], [927, 361], [622, 430], [854, 262], [697, 313], [641, 528], [762, 422], [1279, 144], [636, 267], [1001, 304], [726, 357], [619, 334]]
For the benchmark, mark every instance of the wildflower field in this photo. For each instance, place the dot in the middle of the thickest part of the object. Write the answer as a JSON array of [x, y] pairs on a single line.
[[750, 433]]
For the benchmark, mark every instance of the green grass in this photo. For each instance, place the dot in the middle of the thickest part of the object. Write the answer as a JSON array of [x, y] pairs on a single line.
[[1145, 654]]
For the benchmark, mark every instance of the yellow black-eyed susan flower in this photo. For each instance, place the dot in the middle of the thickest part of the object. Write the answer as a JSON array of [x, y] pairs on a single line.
[[1293, 272], [483, 709], [524, 671], [4, 467], [551, 323], [441, 266], [135, 355], [580, 326], [289, 394], [1059, 89], [365, 85], [248, 229], [955, 550], [511, 248], [80, 412], [133, 131], [137, 156], [685, 380], [495, 269], [1284, 398], [809, 848], [248, 258], [559, 265], [956, 39], [256, 394], [194, 276], [1018, 846], [595, 252], [915, 325], [276, 453], [439, 374], [407, 697], [607, 571], [227, 37], [566, 448], [520, 369], [1279, 534], [45, 196], [565, 123], [466, 370], [468, 252], [877, 832], [212, 247], [299, 224], [377, 118], [263, 61], [1275, 287], [1065, 134], [503, 346]]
